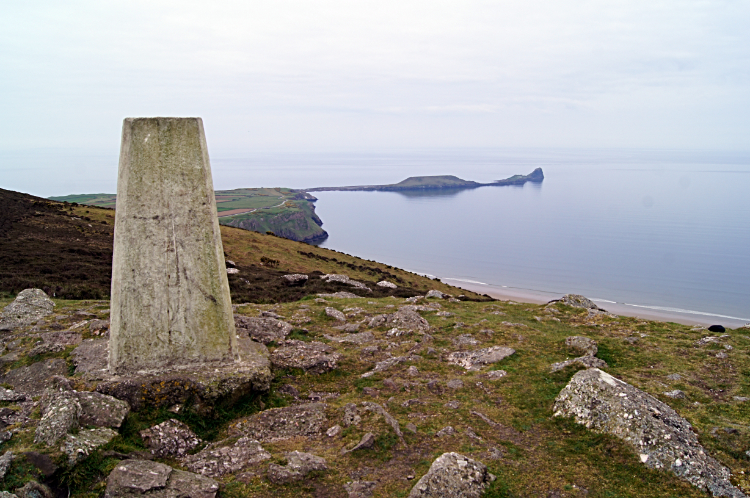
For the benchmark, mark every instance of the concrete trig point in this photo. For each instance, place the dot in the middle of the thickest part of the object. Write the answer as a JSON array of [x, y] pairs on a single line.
[[170, 305]]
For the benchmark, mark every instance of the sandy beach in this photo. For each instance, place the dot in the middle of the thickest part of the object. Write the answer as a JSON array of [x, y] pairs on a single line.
[[647, 313]]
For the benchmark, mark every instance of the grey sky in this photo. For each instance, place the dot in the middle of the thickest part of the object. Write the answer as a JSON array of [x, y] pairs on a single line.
[[365, 75]]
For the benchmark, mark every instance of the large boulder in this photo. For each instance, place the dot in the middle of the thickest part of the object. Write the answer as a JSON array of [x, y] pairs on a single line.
[[298, 466], [662, 439], [332, 277], [156, 480], [277, 424], [28, 307], [453, 474], [406, 318], [475, 360], [35, 378], [101, 410], [171, 438], [263, 330], [80, 445], [577, 301], [61, 414], [313, 357], [221, 458]]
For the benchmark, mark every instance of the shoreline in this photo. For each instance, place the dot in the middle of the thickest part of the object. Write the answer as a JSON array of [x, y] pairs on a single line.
[[685, 317]]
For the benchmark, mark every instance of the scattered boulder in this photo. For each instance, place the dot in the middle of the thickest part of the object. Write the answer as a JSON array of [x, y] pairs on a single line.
[[278, 424], [98, 326], [91, 357], [171, 438], [385, 365], [446, 431], [35, 378], [475, 360], [5, 462], [351, 415], [662, 438], [453, 474], [435, 293], [348, 327], [465, 340], [295, 279], [30, 306], [33, 489], [582, 345], [390, 420], [360, 489], [335, 314], [340, 295], [584, 361], [577, 301], [79, 446], [147, 478], [264, 330], [221, 458], [676, 394], [496, 374], [408, 319], [60, 416], [313, 357], [367, 442], [101, 410], [332, 277], [360, 338], [386, 284], [298, 466], [455, 384]]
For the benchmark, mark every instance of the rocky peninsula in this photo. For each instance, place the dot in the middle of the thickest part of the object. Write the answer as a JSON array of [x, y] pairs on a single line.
[[438, 182]]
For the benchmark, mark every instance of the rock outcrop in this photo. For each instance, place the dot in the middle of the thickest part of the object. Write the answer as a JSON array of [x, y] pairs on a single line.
[[147, 478], [453, 474], [313, 357], [264, 330], [28, 307], [171, 438], [475, 360], [225, 457], [662, 439], [299, 465], [278, 424]]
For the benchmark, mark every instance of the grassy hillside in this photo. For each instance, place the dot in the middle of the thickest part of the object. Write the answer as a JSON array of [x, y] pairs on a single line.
[[66, 250]]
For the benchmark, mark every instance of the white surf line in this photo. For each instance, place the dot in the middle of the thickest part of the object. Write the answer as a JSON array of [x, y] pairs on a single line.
[[680, 310]]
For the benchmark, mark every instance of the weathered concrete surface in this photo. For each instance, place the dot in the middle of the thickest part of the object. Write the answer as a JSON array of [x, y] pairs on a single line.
[[170, 294]]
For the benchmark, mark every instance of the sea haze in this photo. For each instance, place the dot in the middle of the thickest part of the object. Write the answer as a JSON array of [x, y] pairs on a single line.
[[664, 229]]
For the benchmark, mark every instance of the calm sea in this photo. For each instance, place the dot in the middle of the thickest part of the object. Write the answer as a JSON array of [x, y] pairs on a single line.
[[659, 229]]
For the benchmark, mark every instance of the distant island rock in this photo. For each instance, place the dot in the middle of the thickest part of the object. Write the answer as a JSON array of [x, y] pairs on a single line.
[[436, 182]]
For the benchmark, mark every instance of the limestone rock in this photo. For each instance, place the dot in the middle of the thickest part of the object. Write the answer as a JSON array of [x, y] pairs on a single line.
[[577, 301], [282, 423], [295, 279], [385, 365], [360, 338], [221, 458], [584, 361], [475, 360], [35, 378], [335, 314], [367, 442], [341, 295], [434, 293], [313, 357], [345, 280], [262, 330], [100, 410], [298, 466], [360, 489], [60, 417], [445, 431], [171, 438], [91, 357], [80, 445], [453, 474], [10, 395], [464, 340], [662, 438], [5, 462], [408, 319], [152, 479], [386, 284], [351, 415], [582, 345], [390, 420], [28, 307]]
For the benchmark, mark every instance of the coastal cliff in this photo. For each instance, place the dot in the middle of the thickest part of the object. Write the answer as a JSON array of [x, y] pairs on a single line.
[[296, 221]]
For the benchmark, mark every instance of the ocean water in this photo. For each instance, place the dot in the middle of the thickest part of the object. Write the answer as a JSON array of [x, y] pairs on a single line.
[[659, 229]]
